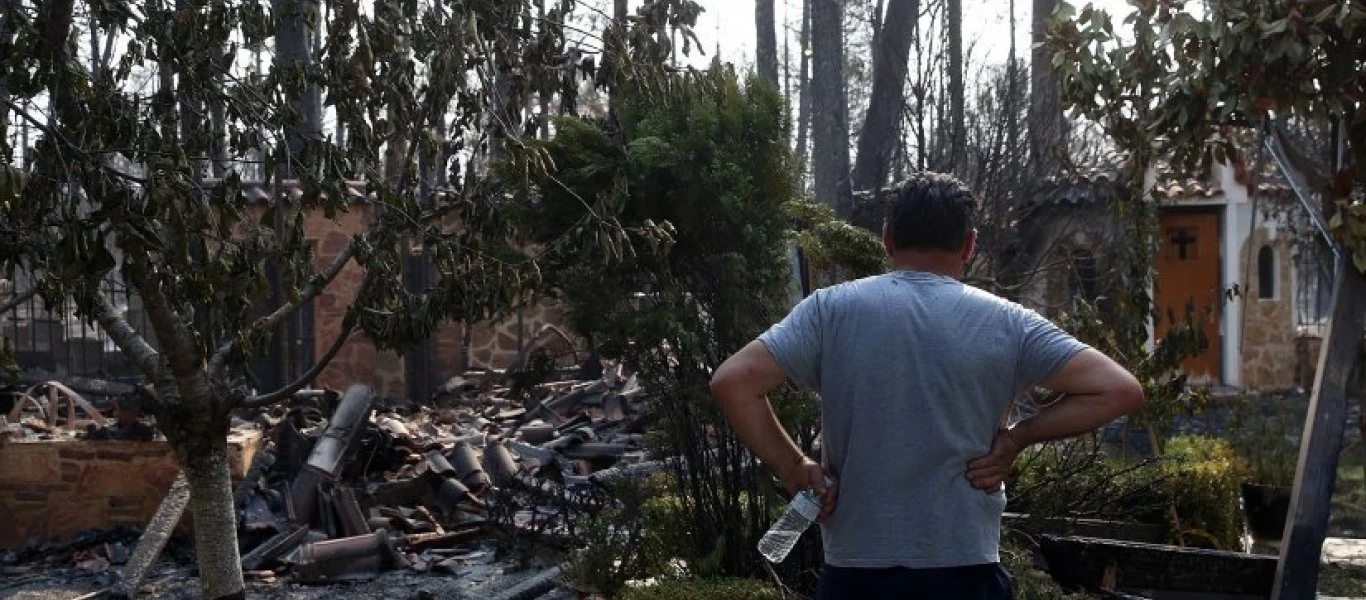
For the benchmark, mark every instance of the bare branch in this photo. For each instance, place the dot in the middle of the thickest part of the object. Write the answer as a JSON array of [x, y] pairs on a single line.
[[15, 301], [130, 342], [315, 286], [287, 391]]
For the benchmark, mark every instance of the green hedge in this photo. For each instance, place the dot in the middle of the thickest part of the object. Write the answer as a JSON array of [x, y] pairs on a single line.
[[1201, 479]]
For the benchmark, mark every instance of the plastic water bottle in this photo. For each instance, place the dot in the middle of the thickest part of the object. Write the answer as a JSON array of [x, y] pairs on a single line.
[[801, 513]]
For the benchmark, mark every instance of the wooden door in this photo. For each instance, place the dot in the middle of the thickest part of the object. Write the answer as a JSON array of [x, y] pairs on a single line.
[[1188, 276]]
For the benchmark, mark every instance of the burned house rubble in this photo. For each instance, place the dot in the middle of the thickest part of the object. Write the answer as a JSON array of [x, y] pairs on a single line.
[[344, 486]]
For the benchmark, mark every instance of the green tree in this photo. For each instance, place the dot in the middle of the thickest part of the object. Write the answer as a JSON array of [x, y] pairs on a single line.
[[116, 186], [697, 172], [1183, 84], [1187, 82]]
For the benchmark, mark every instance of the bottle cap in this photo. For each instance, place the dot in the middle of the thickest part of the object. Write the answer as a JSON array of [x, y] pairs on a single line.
[[807, 505]]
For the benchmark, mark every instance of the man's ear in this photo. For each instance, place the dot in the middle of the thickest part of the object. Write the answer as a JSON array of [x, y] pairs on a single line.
[[888, 245], [969, 244]]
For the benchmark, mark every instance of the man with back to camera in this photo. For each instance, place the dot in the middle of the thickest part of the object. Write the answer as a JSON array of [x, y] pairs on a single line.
[[916, 372]]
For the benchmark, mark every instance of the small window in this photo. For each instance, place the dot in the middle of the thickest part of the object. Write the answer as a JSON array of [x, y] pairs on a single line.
[[1266, 273]]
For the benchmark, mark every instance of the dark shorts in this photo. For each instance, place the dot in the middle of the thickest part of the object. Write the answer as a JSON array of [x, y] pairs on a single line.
[[975, 582]]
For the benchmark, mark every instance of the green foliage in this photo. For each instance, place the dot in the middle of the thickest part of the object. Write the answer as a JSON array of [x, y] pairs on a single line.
[[830, 243], [1349, 223], [1266, 437], [1198, 479], [1178, 84], [1202, 477], [1158, 370], [625, 541], [1342, 581], [666, 234], [704, 589]]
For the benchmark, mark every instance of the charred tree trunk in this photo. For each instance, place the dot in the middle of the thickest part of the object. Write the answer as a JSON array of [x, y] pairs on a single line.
[[1047, 129], [804, 83], [958, 142], [766, 41], [882, 125], [830, 130]]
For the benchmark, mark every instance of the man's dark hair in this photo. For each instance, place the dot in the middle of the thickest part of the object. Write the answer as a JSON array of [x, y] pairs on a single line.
[[931, 211]]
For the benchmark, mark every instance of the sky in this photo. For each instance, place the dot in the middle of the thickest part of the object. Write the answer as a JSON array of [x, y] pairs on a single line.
[[986, 27]]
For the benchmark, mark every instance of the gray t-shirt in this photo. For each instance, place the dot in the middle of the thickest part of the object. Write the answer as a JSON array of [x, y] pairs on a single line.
[[915, 373]]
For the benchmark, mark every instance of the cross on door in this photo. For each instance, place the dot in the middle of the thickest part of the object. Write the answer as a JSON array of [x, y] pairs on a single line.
[[1181, 239]]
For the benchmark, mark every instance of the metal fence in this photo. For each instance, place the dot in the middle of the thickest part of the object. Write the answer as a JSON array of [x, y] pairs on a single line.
[[55, 340], [1314, 266]]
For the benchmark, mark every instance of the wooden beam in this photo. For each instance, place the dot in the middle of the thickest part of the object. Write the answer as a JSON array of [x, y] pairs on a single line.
[[1307, 522], [1101, 565]]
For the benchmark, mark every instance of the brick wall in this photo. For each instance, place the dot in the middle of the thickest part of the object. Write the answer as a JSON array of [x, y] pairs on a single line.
[[492, 345], [50, 490], [358, 361]]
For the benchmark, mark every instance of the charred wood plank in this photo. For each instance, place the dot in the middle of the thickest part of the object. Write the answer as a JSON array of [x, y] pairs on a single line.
[[1095, 528], [154, 538], [1307, 521], [1100, 565], [273, 548], [533, 586]]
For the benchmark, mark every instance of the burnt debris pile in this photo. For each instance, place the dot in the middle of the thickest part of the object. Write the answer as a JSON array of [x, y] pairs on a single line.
[[346, 487]]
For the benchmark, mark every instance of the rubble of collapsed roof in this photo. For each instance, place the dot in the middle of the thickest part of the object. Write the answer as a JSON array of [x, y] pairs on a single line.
[[347, 488]]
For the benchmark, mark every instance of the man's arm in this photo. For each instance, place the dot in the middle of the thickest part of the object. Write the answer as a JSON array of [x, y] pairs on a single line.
[[1095, 389], [741, 386]]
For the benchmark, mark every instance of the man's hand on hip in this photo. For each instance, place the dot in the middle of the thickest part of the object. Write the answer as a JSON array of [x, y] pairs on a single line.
[[807, 474], [988, 472]]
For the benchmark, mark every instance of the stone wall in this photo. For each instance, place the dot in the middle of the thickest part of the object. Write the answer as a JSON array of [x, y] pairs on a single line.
[[1269, 356], [495, 345], [50, 490]]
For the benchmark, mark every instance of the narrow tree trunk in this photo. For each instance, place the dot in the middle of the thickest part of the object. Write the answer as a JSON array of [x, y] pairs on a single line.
[[881, 126], [958, 131], [804, 83], [6, 42], [787, 67], [1012, 80], [95, 74], [830, 129], [766, 41], [215, 520], [1046, 125]]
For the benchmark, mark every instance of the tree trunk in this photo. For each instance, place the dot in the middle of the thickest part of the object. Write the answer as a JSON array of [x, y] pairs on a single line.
[[1046, 124], [6, 42], [804, 83], [1012, 111], [294, 50], [958, 145], [215, 520], [766, 41], [882, 125], [830, 130]]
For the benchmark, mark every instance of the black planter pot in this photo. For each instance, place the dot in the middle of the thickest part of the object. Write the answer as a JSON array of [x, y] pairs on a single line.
[[1266, 507]]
